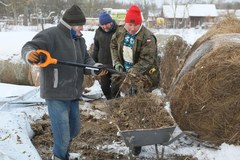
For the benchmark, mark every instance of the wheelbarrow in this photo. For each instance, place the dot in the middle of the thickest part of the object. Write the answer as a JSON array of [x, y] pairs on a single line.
[[143, 137]]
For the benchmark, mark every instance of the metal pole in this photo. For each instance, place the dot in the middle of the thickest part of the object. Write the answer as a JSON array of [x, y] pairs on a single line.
[[156, 151], [163, 148]]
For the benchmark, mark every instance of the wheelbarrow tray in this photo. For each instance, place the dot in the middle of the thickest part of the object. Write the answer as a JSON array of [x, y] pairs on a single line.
[[144, 137]]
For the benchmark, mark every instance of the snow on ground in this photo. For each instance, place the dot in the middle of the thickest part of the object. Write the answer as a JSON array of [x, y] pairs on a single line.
[[15, 130]]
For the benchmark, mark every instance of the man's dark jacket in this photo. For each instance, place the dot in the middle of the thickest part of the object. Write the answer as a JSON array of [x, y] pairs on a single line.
[[102, 40], [58, 81]]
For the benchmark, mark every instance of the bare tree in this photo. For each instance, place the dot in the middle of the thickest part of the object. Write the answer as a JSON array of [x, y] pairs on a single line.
[[174, 4], [14, 8], [6, 5]]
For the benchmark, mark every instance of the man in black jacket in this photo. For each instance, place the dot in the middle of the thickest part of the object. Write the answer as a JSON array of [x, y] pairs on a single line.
[[101, 51]]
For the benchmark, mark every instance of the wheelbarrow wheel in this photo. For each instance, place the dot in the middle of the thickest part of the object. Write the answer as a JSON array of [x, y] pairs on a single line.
[[136, 150]]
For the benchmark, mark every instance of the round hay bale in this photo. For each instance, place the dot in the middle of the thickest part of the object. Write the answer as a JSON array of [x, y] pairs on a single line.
[[34, 75], [88, 81], [230, 24], [14, 73], [90, 51], [205, 97], [173, 51], [18, 72]]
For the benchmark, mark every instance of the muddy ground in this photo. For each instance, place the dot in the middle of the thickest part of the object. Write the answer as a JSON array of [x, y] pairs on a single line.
[[97, 132]]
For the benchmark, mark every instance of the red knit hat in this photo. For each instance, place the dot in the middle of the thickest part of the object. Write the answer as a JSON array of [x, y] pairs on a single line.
[[133, 15]]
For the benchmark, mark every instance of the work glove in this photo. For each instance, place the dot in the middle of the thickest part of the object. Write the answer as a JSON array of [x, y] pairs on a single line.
[[99, 72], [36, 58], [119, 67]]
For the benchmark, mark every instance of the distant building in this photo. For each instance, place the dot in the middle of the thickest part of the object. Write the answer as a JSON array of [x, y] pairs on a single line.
[[177, 17], [200, 13], [191, 15], [154, 19], [117, 14]]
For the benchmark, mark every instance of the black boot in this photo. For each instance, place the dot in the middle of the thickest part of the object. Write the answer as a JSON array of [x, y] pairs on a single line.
[[136, 150], [108, 97]]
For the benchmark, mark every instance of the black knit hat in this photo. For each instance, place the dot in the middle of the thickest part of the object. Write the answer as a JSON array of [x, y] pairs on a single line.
[[74, 16]]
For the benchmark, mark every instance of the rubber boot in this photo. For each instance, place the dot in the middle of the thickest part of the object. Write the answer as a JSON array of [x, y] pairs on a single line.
[[136, 150]]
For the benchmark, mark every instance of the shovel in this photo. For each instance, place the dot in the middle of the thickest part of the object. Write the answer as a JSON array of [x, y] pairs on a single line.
[[49, 60]]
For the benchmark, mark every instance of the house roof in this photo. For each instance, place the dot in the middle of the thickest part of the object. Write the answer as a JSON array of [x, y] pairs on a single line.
[[180, 11], [192, 10], [154, 13], [202, 10]]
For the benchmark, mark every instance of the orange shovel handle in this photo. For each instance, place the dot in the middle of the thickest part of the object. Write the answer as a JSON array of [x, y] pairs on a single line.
[[49, 59]]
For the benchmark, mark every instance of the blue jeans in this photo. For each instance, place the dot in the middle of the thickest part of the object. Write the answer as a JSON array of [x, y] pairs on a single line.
[[65, 123]]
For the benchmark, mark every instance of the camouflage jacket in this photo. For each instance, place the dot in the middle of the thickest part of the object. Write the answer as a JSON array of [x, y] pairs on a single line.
[[145, 60]]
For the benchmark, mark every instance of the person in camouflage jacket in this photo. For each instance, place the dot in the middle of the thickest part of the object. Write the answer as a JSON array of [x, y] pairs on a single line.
[[134, 48]]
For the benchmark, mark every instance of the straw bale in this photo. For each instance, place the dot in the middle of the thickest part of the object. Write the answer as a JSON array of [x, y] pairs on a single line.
[[88, 81], [173, 51], [34, 75], [205, 97], [14, 73], [230, 24], [23, 74]]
